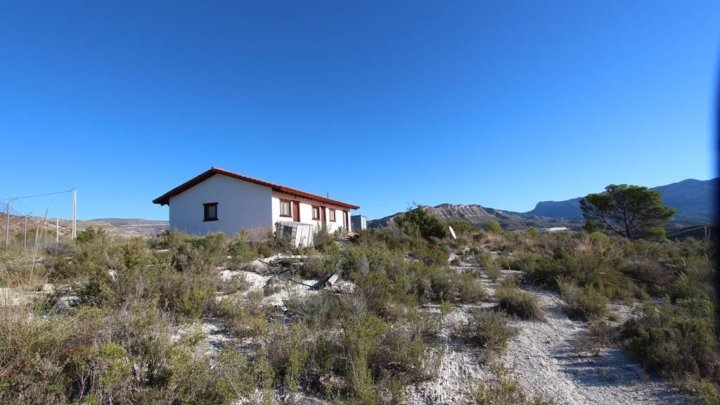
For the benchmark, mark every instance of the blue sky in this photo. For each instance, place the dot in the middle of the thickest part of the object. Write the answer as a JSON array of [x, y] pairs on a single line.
[[380, 103]]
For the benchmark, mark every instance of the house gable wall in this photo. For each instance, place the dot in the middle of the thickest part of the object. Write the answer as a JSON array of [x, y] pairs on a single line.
[[241, 205]]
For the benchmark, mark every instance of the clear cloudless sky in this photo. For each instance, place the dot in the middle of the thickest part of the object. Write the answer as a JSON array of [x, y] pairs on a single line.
[[380, 103]]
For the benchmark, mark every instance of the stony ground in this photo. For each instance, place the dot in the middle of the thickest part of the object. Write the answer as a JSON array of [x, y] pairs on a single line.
[[544, 358]]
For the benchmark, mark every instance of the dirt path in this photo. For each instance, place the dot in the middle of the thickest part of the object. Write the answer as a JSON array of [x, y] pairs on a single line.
[[544, 360], [459, 369]]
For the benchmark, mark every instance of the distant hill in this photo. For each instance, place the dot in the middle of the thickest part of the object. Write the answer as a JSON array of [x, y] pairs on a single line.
[[693, 200], [557, 209], [127, 226], [479, 215], [114, 226]]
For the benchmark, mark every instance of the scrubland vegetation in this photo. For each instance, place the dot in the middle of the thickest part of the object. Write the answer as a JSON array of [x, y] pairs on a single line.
[[107, 330]]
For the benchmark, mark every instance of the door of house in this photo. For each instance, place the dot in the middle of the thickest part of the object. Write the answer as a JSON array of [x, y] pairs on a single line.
[[345, 220], [296, 211], [322, 216]]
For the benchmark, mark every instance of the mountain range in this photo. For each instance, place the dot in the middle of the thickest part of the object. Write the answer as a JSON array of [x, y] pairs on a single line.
[[692, 200]]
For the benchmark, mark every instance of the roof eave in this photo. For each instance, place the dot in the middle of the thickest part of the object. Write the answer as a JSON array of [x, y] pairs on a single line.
[[165, 198]]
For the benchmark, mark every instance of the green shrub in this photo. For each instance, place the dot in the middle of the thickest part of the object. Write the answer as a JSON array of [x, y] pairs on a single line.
[[490, 266], [108, 356], [318, 267], [442, 286], [91, 235], [650, 274], [702, 391], [488, 330], [430, 254], [264, 374], [377, 288], [400, 353], [241, 252], [519, 303], [191, 295], [676, 339], [99, 290], [504, 390], [420, 222], [460, 226], [582, 302], [197, 381], [469, 288], [243, 320], [297, 355], [321, 310], [324, 241], [492, 226], [361, 334]]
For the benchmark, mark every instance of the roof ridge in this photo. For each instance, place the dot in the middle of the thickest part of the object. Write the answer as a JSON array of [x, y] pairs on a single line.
[[165, 198]]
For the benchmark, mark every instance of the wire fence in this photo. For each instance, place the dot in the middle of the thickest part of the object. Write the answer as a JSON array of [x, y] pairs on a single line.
[[28, 231]]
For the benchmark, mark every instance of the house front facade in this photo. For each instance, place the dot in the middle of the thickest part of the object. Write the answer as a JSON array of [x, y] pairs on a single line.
[[219, 200]]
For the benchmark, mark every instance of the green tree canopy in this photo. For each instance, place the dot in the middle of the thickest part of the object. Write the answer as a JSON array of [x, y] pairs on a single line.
[[626, 210], [420, 221]]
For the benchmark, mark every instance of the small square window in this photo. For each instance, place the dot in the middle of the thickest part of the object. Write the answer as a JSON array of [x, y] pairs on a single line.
[[332, 215], [316, 212], [285, 210], [210, 212]]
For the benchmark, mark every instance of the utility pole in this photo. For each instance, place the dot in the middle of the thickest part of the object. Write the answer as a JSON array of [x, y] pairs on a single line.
[[7, 224], [74, 213], [25, 233]]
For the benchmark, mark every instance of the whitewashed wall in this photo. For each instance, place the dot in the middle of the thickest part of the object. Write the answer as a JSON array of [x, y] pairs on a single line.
[[241, 205], [306, 212]]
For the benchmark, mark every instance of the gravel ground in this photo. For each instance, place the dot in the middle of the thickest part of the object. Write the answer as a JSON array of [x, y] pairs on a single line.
[[459, 369], [544, 359]]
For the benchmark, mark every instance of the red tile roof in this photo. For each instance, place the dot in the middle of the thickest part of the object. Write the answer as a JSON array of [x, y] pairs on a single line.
[[165, 198]]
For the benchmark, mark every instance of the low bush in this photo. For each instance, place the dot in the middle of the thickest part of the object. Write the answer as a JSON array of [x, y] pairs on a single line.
[[504, 390], [489, 265], [492, 226], [676, 339], [321, 310], [582, 302], [243, 320], [653, 276], [519, 303], [109, 356], [469, 288], [460, 226], [318, 267], [324, 241], [429, 254], [600, 334], [399, 355], [361, 335], [488, 330], [241, 252]]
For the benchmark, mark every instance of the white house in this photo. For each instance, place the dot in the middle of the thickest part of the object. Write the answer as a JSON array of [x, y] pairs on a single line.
[[222, 201]]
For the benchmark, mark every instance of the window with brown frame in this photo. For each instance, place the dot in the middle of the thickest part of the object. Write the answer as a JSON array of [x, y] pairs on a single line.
[[316, 212], [210, 212], [331, 214], [285, 208]]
